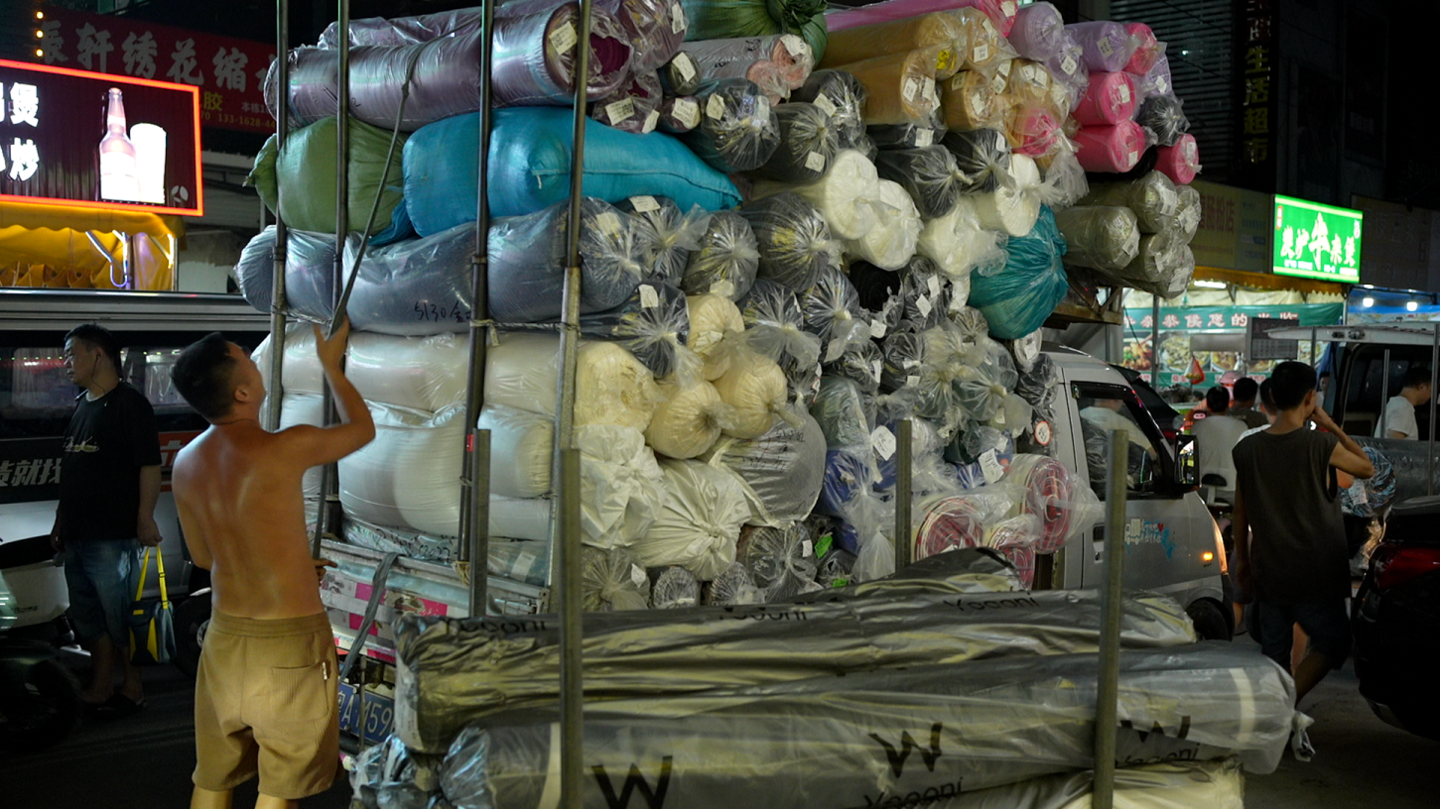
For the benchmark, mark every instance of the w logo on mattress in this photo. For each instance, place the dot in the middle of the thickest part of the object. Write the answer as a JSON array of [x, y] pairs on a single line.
[[907, 744], [654, 799]]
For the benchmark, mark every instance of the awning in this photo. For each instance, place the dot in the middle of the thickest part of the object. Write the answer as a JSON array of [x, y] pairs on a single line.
[[61, 217]]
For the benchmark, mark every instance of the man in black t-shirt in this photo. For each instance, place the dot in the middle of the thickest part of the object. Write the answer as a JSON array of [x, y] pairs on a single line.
[[109, 482]]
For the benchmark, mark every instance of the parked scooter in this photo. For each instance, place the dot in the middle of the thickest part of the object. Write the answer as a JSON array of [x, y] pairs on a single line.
[[39, 696]]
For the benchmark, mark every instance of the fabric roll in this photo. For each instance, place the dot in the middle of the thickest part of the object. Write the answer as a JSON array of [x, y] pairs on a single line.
[[781, 561], [1039, 31], [1153, 198], [679, 115], [680, 76], [653, 324], [896, 36], [845, 196], [533, 57], [1067, 66], [754, 386], [929, 175], [738, 129], [612, 387], [1161, 265], [1114, 149], [959, 242], [988, 47], [1164, 115], [1157, 81], [1187, 211], [527, 443], [1107, 45], [1101, 237], [842, 97], [1034, 132], [665, 234], [893, 240], [722, 19], [969, 101], [906, 136], [1012, 208], [901, 86], [656, 29], [1017, 299], [1147, 48], [726, 260], [309, 272], [794, 241], [612, 580], [1180, 162], [982, 155], [775, 325], [1109, 99], [892, 10], [831, 311], [777, 64], [715, 329], [699, 524], [1029, 83], [634, 108], [781, 471], [808, 144]]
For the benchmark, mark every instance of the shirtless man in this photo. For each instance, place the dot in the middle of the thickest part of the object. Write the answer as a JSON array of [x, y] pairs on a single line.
[[265, 696]]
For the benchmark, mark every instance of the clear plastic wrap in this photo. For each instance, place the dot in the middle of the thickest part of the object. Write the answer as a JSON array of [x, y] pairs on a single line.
[[892, 242], [958, 243], [970, 322], [781, 471], [612, 580], [861, 362], [689, 421], [675, 234], [929, 175], [961, 521], [726, 259], [969, 100], [924, 296], [1101, 237], [673, 587], [781, 561], [808, 144], [1180, 162], [837, 567], [1065, 183], [1018, 299], [733, 586], [756, 387], [385, 775], [1012, 207], [678, 114], [775, 324], [1113, 149], [1107, 45], [895, 36], [1068, 66], [1187, 211], [405, 478], [309, 272], [1029, 84], [1162, 266], [526, 441], [794, 240], [1372, 496], [1164, 115], [845, 412], [656, 29], [527, 261], [533, 57], [1153, 199], [700, 522], [845, 197], [680, 76], [1035, 132], [716, 329], [1109, 99], [634, 107], [1039, 32], [987, 45], [1026, 350], [1050, 492], [843, 97], [907, 135], [901, 86], [777, 63], [904, 356], [1157, 82], [612, 387], [654, 325], [1147, 48], [738, 130], [981, 391], [983, 156], [831, 311]]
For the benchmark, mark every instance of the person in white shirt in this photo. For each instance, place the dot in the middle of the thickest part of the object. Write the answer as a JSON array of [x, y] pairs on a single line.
[[1399, 419], [1215, 436]]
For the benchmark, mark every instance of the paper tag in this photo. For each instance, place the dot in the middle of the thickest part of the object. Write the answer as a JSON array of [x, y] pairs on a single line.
[[1043, 433], [825, 104], [933, 284], [622, 110], [1008, 8], [957, 82], [924, 305], [1105, 47], [649, 298], [762, 107], [792, 44], [715, 107], [877, 329], [725, 289], [807, 549], [815, 161], [687, 112], [637, 575], [929, 91], [562, 39], [924, 137], [651, 121], [834, 350], [1162, 85], [981, 53], [990, 466], [911, 89], [677, 18], [1124, 93], [1133, 158], [1068, 64], [685, 64], [878, 367], [523, 562], [1191, 152], [608, 223], [912, 380], [883, 442], [1004, 68], [644, 204]]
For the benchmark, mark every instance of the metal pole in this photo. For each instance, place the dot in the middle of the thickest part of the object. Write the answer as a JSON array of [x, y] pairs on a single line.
[[1155, 341], [1314, 348], [1108, 684], [1430, 454], [904, 532], [275, 388], [475, 507], [1385, 395], [572, 672]]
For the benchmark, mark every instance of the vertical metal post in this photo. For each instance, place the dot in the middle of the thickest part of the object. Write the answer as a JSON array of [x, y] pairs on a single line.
[[1430, 454], [904, 531], [475, 506], [1314, 348], [1108, 684], [275, 389], [572, 672], [1385, 395], [364, 710], [1155, 341]]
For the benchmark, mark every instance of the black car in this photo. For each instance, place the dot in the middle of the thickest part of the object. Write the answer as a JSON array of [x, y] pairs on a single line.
[[1397, 621]]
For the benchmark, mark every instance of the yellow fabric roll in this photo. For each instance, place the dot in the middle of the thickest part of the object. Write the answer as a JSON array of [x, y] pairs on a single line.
[[970, 102], [898, 36], [1029, 84], [901, 86]]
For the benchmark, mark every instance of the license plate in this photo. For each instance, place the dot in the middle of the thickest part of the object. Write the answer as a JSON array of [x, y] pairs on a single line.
[[379, 714]]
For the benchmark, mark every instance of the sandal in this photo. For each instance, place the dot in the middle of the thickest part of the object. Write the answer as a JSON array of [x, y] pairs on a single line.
[[117, 707]]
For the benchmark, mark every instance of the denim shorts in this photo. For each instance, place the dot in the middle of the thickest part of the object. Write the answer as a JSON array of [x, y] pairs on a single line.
[[102, 575], [1325, 622]]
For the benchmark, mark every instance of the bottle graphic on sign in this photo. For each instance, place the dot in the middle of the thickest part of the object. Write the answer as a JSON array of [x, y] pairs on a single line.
[[118, 165]]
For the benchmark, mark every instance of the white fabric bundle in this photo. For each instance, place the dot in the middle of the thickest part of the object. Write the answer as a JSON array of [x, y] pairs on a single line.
[[1013, 207], [846, 196], [611, 386], [713, 321], [689, 421], [781, 471], [700, 522], [890, 244], [755, 387], [958, 243], [522, 447], [301, 373], [424, 373], [409, 476], [305, 408]]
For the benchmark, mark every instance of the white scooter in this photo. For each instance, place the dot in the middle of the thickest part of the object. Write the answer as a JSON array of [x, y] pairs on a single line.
[[39, 696]]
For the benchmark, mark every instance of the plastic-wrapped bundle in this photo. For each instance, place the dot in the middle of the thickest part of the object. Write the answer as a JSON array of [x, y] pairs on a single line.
[[831, 311], [892, 241], [656, 29], [1013, 207], [1368, 497], [756, 387], [309, 272], [781, 561], [1065, 183], [1018, 299], [715, 332], [1052, 493], [1039, 31], [738, 130], [1164, 115], [675, 234], [415, 287], [983, 156], [700, 522], [1180, 162], [1108, 46], [1157, 81], [929, 175], [634, 107], [612, 580], [845, 196], [901, 86], [904, 355], [733, 586], [533, 57], [530, 156], [1029, 84], [778, 64], [678, 115], [775, 324], [1068, 67], [981, 391], [1101, 237], [843, 97], [404, 478], [1163, 266], [718, 19], [527, 262], [988, 47], [808, 143], [1147, 48], [794, 240], [1110, 148], [385, 775], [726, 261], [680, 76], [959, 243], [861, 362], [653, 324], [1187, 211], [970, 323], [306, 170], [960, 521], [1153, 198], [895, 36], [1034, 132], [527, 443], [674, 587], [611, 386], [781, 471], [1109, 99], [689, 421], [924, 295], [846, 414], [969, 101], [916, 135]]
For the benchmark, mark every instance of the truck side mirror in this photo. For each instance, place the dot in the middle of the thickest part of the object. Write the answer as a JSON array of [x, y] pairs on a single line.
[[1187, 468]]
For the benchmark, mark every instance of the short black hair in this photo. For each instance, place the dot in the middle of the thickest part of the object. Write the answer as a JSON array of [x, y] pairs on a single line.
[[1245, 389], [1416, 376], [1217, 399], [1267, 395], [97, 336], [204, 375], [1289, 383]]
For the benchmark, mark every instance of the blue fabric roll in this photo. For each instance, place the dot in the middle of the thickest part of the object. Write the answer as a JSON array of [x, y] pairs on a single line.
[[845, 480], [1017, 299]]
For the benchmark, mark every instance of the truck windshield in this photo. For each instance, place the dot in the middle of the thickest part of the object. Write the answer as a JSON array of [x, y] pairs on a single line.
[[1110, 407]]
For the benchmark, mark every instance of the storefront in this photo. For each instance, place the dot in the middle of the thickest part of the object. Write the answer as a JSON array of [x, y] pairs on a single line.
[[1369, 304]]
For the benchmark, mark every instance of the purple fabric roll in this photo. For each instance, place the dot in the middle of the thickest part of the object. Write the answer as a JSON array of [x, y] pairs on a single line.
[[403, 30], [656, 28], [1157, 81], [634, 108], [1039, 32], [1108, 46]]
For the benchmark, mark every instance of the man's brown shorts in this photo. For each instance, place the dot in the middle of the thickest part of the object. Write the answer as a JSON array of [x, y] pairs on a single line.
[[265, 701]]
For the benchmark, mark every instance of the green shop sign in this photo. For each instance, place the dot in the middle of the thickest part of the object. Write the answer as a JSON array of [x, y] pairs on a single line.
[[1316, 241]]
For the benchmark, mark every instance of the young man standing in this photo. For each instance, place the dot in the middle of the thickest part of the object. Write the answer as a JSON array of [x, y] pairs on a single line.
[[1399, 421], [109, 483], [1289, 538], [265, 696]]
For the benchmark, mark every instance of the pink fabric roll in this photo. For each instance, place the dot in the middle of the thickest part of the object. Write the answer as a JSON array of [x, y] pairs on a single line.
[[1034, 132], [1147, 48], [1039, 32], [1180, 162], [1000, 12], [1109, 99], [1110, 148]]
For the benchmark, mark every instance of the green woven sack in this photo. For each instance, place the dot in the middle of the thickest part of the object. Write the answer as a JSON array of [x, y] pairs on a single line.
[[723, 19], [306, 170]]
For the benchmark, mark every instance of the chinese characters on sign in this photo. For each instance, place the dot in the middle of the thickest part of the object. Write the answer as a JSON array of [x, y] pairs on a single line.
[[1317, 241], [1256, 77], [19, 109]]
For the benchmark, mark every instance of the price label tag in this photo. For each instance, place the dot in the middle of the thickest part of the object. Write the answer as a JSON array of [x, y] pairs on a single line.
[[1162, 85], [622, 110], [792, 44], [878, 367], [825, 104], [815, 161], [1008, 8], [933, 283], [715, 107], [644, 204], [877, 329], [685, 66], [1105, 48], [990, 466], [924, 137], [912, 380], [883, 442], [649, 298], [1133, 158], [980, 53], [677, 18], [687, 112], [762, 107], [523, 562], [608, 223], [807, 549], [1124, 93], [1068, 64], [562, 39], [637, 575], [651, 121], [911, 89], [1043, 433], [924, 305], [957, 82], [997, 84]]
